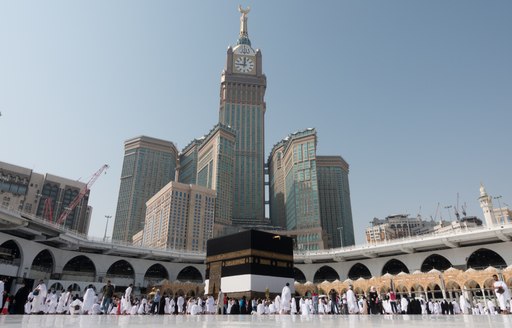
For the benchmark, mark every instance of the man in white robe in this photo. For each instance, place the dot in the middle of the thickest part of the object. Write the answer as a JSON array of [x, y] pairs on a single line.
[[277, 303], [464, 304], [352, 305], [88, 300], [128, 299], [404, 303], [53, 302], [294, 306], [180, 302], [210, 305], [491, 307], [286, 298], [38, 301], [75, 307], [220, 303], [502, 294]]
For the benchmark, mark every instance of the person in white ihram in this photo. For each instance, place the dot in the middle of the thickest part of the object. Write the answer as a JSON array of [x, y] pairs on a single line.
[[88, 300], [39, 296], [352, 305], [502, 294], [286, 298]]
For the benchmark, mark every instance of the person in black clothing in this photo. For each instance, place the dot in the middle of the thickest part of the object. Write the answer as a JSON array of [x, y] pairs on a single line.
[[161, 306], [444, 307], [235, 308], [374, 301], [20, 299], [414, 306]]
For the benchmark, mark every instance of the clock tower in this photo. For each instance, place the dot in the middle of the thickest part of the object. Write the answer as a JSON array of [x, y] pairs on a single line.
[[242, 107]]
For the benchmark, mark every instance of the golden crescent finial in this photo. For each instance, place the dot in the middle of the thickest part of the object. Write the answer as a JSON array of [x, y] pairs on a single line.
[[244, 11]]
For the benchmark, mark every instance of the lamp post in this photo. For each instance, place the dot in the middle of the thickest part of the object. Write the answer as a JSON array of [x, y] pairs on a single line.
[[341, 236], [106, 226], [449, 214], [501, 211]]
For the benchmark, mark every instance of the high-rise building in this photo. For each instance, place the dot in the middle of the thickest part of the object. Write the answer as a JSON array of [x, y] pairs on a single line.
[[334, 195], [179, 216], [187, 169], [294, 189], [242, 107], [216, 158], [309, 195], [46, 196], [149, 164]]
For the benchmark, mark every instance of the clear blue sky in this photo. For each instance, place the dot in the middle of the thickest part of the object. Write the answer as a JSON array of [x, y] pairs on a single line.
[[415, 95]]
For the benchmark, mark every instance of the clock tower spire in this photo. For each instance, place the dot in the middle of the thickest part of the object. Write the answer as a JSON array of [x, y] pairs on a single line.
[[242, 107], [244, 35]]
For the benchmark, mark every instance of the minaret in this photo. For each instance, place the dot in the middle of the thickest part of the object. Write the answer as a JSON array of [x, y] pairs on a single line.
[[487, 208], [242, 107]]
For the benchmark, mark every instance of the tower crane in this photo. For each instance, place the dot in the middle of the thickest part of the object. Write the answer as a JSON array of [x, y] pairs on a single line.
[[62, 218]]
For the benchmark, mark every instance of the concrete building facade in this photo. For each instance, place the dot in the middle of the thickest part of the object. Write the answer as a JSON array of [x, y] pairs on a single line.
[[46, 196], [179, 217], [215, 170]]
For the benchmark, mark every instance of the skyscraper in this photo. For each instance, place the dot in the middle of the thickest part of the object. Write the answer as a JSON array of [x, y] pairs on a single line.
[[242, 107], [149, 164], [215, 161], [294, 189], [334, 195], [309, 195], [187, 170]]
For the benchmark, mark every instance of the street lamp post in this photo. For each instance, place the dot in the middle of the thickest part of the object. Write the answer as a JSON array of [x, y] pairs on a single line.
[[106, 226], [501, 211], [341, 236]]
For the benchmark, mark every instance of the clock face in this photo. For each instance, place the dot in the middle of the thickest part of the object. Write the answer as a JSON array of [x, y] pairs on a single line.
[[244, 64]]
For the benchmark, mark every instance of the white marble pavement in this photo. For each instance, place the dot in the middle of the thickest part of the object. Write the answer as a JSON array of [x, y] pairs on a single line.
[[228, 321]]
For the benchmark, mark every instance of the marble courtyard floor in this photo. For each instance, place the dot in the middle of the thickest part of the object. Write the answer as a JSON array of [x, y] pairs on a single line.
[[228, 321]]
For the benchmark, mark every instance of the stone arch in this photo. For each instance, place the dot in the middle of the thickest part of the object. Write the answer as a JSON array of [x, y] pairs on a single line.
[[180, 292], [453, 286], [483, 258], [191, 274], [435, 261], [402, 290], [121, 269], [191, 293], [358, 291], [15, 256], [473, 288], [359, 270], [57, 286], [394, 267], [155, 274], [325, 273], [79, 268], [168, 292], [299, 276], [75, 288], [43, 264], [434, 292]]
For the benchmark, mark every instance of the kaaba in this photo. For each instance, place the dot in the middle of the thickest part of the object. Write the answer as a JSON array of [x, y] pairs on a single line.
[[251, 263]]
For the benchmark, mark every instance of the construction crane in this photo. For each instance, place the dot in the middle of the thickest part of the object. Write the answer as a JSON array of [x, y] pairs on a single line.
[[78, 198]]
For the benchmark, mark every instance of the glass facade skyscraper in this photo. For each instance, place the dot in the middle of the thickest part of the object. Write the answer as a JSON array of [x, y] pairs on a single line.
[[149, 164], [335, 208]]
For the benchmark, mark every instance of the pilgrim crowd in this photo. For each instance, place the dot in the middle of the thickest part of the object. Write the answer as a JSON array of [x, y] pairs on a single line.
[[40, 300]]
